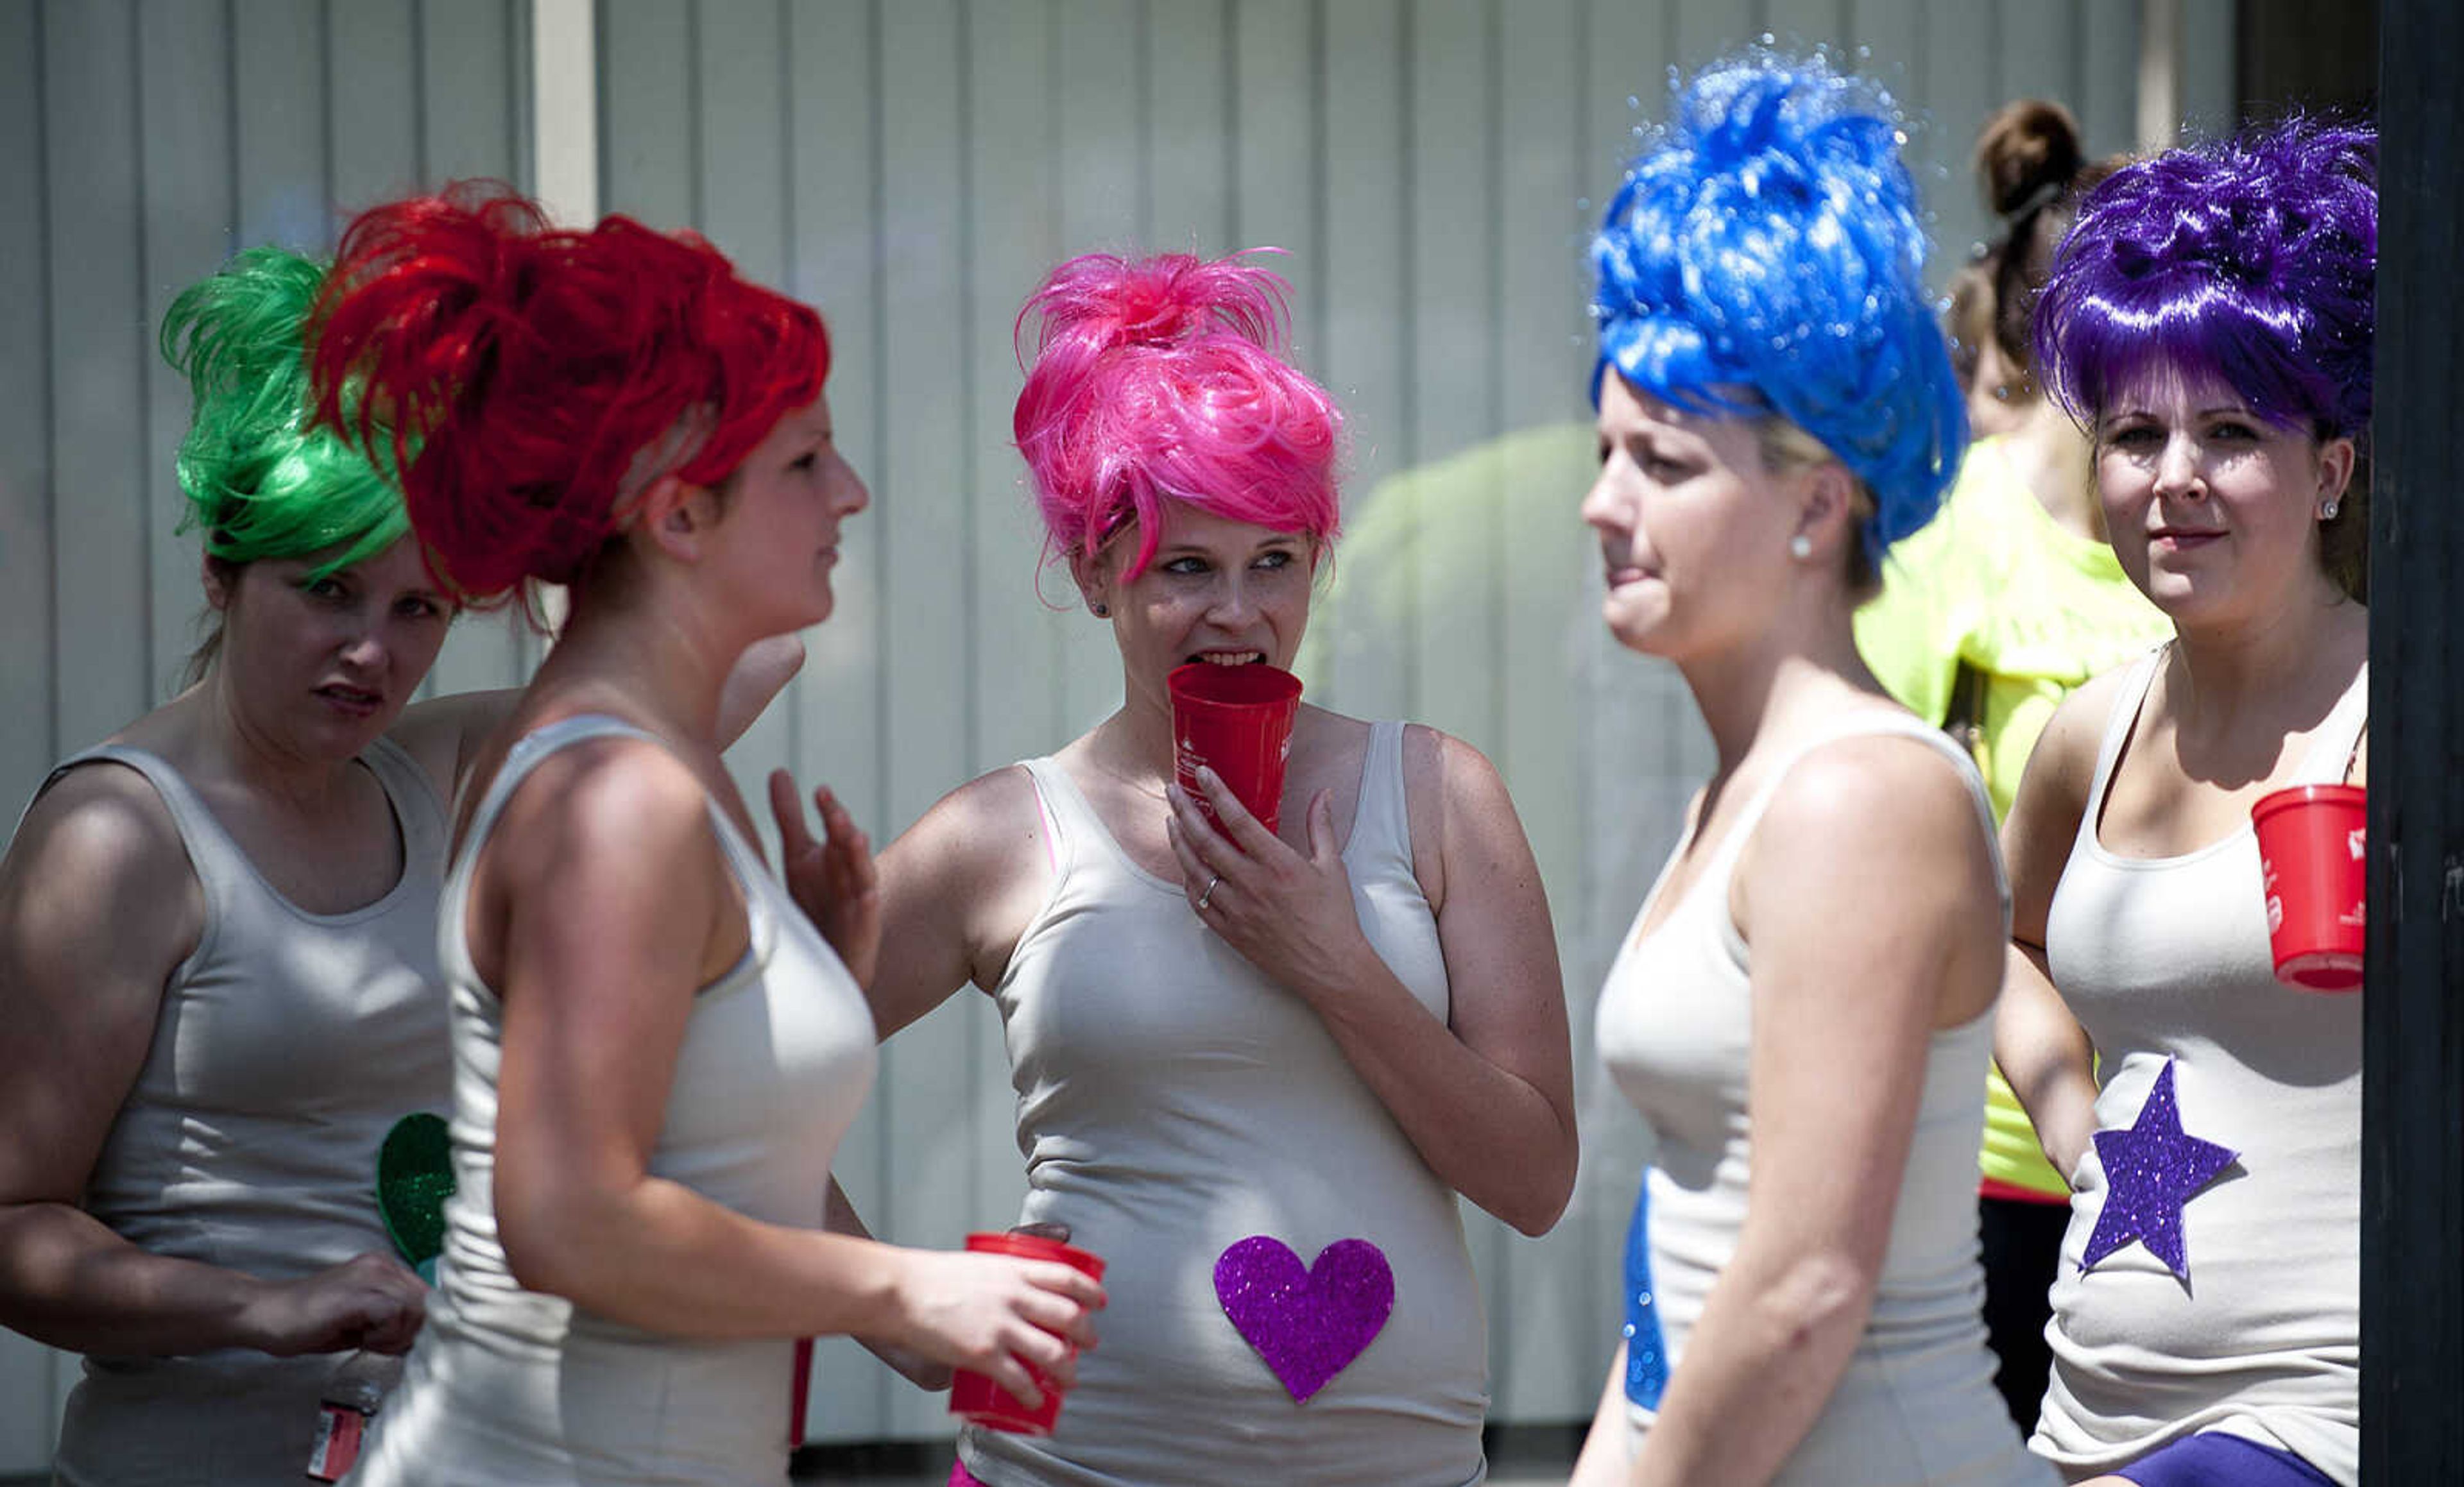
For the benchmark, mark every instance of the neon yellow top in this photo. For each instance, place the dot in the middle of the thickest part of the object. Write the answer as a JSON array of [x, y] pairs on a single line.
[[1995, 585]]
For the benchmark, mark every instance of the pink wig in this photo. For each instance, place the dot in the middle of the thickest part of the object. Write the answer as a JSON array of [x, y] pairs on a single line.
[[528, 381], [1166, 379]]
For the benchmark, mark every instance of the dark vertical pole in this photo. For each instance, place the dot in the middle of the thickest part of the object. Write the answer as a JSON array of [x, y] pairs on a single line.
[[2413, 1101]]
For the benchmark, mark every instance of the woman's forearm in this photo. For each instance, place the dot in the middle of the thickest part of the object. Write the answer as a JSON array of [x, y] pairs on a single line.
[[1603, 1459], [1761, 1362], [662, 1258], [2046, 1058], [68, 1282], [1490, 1135], [2064, 1116], [839, 1216]]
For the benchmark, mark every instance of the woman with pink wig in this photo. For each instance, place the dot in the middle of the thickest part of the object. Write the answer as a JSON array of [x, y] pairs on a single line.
[[1253, 1069]]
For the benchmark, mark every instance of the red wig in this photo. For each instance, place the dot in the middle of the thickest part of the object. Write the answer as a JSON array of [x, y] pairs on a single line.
[[529, 382]]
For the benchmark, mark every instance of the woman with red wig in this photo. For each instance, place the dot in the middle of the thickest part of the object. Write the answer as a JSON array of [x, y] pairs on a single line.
[[655, 1056], [1253, 1069]]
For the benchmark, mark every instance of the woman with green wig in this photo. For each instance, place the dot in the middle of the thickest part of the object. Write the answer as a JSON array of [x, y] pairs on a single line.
[[218, 976]]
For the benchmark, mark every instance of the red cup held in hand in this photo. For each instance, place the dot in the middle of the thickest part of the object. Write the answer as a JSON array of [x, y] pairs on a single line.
[[978, 1399], [2313, 860], [1237, 720]]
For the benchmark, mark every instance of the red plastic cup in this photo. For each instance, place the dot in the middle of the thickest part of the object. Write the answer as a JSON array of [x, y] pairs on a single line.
[[1237, 721], [2313, 860], [978, 1399]]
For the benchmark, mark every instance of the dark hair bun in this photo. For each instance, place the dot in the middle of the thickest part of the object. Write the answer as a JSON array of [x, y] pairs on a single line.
[[2026, 154]]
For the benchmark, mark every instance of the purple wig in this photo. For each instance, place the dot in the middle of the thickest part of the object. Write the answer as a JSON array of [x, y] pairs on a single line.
[[1166, 379], [2252, 261]]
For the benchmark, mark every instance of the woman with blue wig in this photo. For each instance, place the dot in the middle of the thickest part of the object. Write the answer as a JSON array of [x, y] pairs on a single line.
[[1806, 1001], [2209, 320]]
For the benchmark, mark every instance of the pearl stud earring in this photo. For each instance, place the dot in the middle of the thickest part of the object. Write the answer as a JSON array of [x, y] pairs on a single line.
[[1800, 547]]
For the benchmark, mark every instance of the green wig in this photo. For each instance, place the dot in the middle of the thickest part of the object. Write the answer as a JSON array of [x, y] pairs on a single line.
[[259, 482]]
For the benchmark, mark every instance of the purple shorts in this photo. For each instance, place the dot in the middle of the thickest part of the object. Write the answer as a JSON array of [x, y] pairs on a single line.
[[2213, 1459]]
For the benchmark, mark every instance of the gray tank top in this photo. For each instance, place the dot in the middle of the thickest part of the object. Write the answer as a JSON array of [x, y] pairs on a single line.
[[513, 1386], [1915, 1406], [2164, 962], [1175, 1106], [286, 1046]]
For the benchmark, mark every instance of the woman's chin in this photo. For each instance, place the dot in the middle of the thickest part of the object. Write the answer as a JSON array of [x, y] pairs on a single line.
[[1643, 633]]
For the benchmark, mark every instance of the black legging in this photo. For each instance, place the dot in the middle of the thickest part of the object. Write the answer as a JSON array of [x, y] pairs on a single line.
[[2023, 1245]]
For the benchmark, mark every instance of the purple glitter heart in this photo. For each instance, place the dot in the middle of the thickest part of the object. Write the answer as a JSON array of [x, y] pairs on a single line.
[[1307, 1324]]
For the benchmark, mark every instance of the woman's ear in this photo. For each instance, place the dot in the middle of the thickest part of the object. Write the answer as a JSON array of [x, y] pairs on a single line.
[[220, 578], [675, 516], [1827, 511], [2336, 460], [1093, 574]]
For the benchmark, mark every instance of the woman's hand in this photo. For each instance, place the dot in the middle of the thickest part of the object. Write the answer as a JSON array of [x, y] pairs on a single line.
[[371, 1302], [931, 1375], [1289, 915], [1014, 1320], [832, 880], [1481, 1085]]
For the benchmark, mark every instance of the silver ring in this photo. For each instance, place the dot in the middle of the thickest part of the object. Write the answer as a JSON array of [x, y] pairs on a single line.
[[1209, 893]]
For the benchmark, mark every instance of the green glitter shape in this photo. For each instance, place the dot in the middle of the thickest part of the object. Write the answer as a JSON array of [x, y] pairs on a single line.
[[414, 1178]]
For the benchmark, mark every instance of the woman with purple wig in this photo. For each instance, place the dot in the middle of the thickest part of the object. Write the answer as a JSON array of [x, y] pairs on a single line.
[[1239, 1053], [2209, 320], [1803, 1008]]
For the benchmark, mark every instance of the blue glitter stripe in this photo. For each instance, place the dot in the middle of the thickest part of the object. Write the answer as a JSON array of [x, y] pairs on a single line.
[[1646, 1356]]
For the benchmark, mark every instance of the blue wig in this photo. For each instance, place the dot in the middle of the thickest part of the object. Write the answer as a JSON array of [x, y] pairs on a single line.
[[1765, 255], [2254, 261]]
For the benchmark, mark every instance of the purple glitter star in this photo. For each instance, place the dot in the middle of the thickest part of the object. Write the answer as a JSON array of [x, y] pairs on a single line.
[[2150, 1171]]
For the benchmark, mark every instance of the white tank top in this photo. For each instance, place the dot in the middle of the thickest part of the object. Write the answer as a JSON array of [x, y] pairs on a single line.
[[1916, 1406], [1174, 1102], [2164, 962], [286, 1046], [512, 1386]]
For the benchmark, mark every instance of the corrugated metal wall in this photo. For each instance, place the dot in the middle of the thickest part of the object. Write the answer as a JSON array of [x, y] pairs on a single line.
[[911, 166]]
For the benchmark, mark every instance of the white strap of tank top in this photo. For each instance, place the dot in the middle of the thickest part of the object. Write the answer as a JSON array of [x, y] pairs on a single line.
[[2341, 720], [525, 754], [1857, 725]]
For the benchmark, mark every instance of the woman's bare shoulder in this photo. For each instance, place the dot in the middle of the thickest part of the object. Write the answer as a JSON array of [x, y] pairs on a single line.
[[102, 820], [97, 888], [971, 833]]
